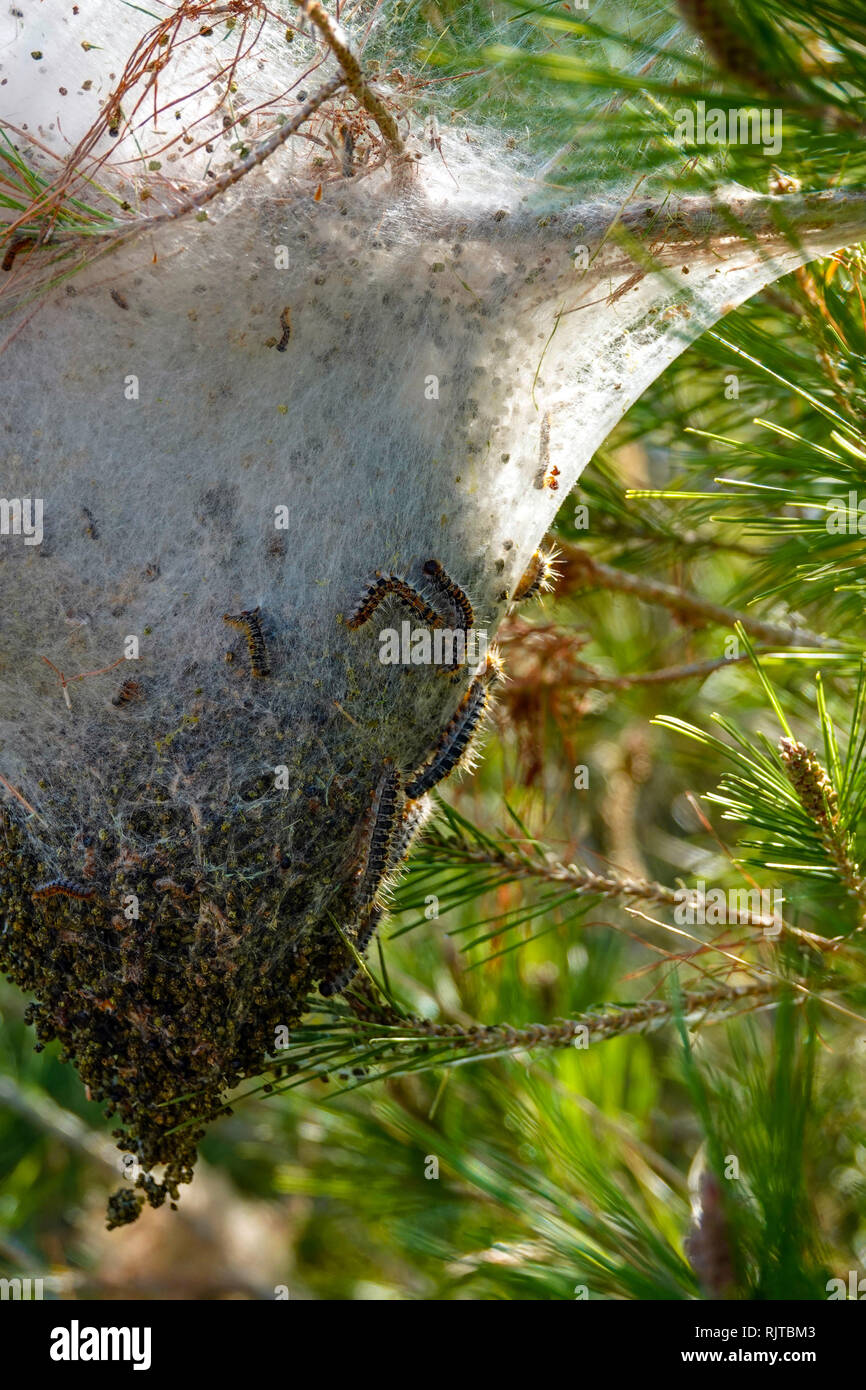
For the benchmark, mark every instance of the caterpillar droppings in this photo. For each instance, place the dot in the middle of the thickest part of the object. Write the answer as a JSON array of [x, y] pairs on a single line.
[[248, 623]]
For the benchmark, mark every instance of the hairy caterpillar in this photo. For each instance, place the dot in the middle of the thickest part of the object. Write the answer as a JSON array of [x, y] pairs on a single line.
[[366, 927], [456, 737], [464, 613], [286, 325], [364, 930], [540, 576], [128, 693], [379, 827], [339, 982], [415, 813], [447, 587], [18, 243], [248, 623], [62, 887], [381, 587]]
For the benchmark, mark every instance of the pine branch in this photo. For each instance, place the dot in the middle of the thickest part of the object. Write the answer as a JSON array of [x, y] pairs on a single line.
[[580, 569]]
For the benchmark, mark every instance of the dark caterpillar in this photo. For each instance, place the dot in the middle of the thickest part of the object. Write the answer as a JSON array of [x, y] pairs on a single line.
[[381, 587], [286, 325], [18, 243], [62, 887], [339, 982], [380, 825], [456, 738], [248, 623], [446, 587], [366, 928], [414, 815]]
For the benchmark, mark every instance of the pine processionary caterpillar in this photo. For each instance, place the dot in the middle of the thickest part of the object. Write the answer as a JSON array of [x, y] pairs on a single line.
[[412, 821], [540, 576], [464, 613], [454, 742], [379, 827], [446, 586], [348, 159], [286, 325], [248, 623], [62, 887], [381, 587], [18, 243], [339, 982], [367, 927]]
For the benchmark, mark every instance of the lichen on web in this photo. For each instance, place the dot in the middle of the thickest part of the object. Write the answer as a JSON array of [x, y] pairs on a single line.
[[262, 357]]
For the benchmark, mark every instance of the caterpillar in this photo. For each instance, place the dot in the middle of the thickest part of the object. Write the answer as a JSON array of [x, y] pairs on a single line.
[[119, 299], [248, 623], [414, 815], [128, 693], [546, 476], [540, 576], [18, 243], [379, 827], [464, 613], [379, 589], [456, 737], [62, 887], [338, 983], [286, 325], [364, 930]]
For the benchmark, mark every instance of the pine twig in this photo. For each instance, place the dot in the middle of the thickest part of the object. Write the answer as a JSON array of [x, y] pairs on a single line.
[[582, 568], [592, 1026], [358, 85]]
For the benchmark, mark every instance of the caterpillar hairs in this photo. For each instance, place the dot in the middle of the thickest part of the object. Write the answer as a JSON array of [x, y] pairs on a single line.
[[364, 930], [455, 740], [540, 575], [378, 591], [62, 887], [248, 623]]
